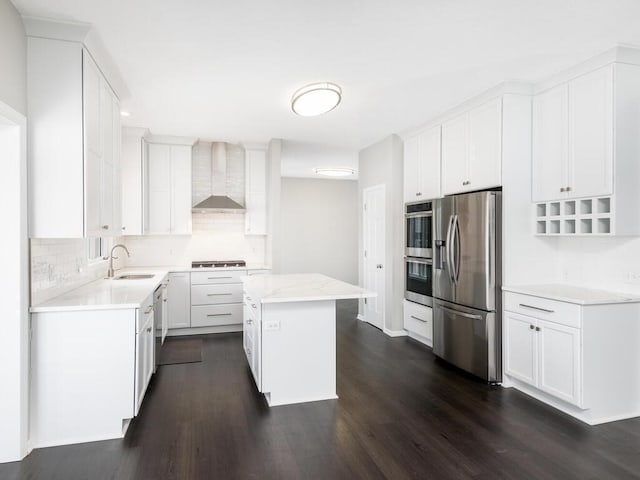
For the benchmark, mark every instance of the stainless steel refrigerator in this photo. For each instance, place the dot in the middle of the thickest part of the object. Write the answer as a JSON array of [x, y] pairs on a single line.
[[467, 326]]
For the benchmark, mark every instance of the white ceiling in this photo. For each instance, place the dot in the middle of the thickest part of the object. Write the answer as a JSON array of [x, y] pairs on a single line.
[[225, 70]]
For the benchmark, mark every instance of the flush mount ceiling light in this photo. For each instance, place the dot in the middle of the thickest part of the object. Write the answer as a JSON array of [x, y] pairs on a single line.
[[335, 172], [316, 99], [124, 114]]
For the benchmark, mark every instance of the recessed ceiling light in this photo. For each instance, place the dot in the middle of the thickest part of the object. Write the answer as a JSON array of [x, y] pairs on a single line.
[[125, 114], [316, 99], [335, 172]]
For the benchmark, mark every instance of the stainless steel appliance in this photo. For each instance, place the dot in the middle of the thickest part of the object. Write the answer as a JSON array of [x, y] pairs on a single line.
[[418, 217], [157, 321], [418, 280], [218, 263], [466, 283]]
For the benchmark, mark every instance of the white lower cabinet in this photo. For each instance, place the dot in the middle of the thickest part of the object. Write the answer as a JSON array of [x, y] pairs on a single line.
[[418, 321], [252, 338], [179, 301], [545, 355], [145, 344], [580, 358]]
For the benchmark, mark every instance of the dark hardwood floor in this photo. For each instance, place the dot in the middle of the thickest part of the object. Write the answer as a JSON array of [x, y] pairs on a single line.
[[401, 414]]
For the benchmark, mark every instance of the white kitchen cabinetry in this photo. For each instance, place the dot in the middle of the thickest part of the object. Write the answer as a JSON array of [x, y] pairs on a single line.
[[573, 138], [179, 300], [583, 147], [145, 344], [167, 204], [581, 358], [418, 321], [74, 143], [216, 298], [255, 191], [422, 166], [134, 157], [252, 337], [472, 149]]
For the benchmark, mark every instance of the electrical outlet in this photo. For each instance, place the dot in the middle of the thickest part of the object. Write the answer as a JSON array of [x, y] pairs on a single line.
[[633, 277]]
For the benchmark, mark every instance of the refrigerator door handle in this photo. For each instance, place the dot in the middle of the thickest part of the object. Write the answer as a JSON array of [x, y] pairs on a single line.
[[461, 314], [454, 249], [449, 252]]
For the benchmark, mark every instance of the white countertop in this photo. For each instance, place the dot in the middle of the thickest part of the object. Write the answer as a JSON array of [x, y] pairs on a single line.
[[106, 293], [573, 294], [303, 287]]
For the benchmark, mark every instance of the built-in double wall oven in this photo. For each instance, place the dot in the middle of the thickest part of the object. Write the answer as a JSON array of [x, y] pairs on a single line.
[[419, 252]]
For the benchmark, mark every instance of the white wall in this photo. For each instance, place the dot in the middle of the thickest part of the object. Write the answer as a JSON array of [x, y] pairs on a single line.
[[14, 286], [13, 58], [319, 228], [382, 164]]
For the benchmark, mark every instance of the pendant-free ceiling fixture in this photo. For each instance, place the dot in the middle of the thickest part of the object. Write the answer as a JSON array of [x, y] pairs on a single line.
[[335, 172], [316, 99]]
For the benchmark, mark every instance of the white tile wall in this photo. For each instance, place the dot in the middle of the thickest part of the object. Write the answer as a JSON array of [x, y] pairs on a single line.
[[599, 262], [215, 236], [60, 265]]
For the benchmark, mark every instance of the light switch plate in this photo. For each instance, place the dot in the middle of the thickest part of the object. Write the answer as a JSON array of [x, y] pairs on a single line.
[[272, 325]]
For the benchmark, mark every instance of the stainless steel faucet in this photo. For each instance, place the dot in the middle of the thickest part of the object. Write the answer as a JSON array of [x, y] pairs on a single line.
[[111, 258]]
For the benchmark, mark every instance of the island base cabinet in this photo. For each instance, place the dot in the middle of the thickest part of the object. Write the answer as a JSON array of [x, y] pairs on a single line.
[[82, 376], [298, 351]]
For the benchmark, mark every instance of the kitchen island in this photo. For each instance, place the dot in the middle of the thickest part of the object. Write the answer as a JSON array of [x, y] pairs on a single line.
[[289, 334]]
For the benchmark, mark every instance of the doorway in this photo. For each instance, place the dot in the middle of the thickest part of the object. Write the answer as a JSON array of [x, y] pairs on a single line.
[[374, 244], [14, 285]]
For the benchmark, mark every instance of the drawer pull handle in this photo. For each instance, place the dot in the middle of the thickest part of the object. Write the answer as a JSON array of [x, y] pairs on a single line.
[[462, 314], [217, 294], [216, 278], [249, 322], [524, 305], [418, 318], [254, 305], [217, 314]]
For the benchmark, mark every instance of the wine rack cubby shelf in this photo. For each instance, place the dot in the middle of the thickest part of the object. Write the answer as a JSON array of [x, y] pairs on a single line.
[[582, 216]]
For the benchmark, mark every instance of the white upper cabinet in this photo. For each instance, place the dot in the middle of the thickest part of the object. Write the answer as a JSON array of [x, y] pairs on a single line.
[[472, 149], [134, 154], [255, 192], [550, 143], [74, 150], [168, 190], [422, 166], [573, 138]]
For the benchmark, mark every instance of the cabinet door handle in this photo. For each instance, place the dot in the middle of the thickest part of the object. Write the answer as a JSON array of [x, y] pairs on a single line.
[[532, 327], [217, 314], [568, 189], [254, 305], [105, 227], [217, 294], [466, 182], [536, 308], [164, 300], [418, 318], [149, 330], [537, 329], [149, 309], [249, 322]]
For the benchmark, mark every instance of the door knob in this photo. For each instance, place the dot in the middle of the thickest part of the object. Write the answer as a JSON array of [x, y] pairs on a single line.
[[379, 265]]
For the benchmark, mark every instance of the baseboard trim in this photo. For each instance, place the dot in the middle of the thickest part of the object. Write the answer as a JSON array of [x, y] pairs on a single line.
[[360, 317], [179, 332], [395, 333]]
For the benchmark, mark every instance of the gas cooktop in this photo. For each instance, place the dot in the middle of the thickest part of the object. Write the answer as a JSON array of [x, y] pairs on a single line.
[[218, 264]]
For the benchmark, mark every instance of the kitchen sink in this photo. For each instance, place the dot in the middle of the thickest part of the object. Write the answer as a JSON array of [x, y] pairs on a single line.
[[135, 276]]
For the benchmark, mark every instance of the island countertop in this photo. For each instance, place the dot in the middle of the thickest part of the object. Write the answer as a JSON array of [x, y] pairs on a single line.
[[303, 287]]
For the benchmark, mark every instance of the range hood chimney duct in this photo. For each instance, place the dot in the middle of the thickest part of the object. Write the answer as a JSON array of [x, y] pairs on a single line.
[[218, 201]]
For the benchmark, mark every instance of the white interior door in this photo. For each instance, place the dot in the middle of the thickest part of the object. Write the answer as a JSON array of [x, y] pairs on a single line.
[[373, 199]]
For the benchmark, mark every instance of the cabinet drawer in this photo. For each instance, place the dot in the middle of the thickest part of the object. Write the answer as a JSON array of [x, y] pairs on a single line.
[[227, 276], [216, 294], [564, 313], [213, 315], [418, 319], [253, 307]]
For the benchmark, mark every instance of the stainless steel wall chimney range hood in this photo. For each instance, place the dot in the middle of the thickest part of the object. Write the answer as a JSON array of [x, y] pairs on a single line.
[[218, 201]]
